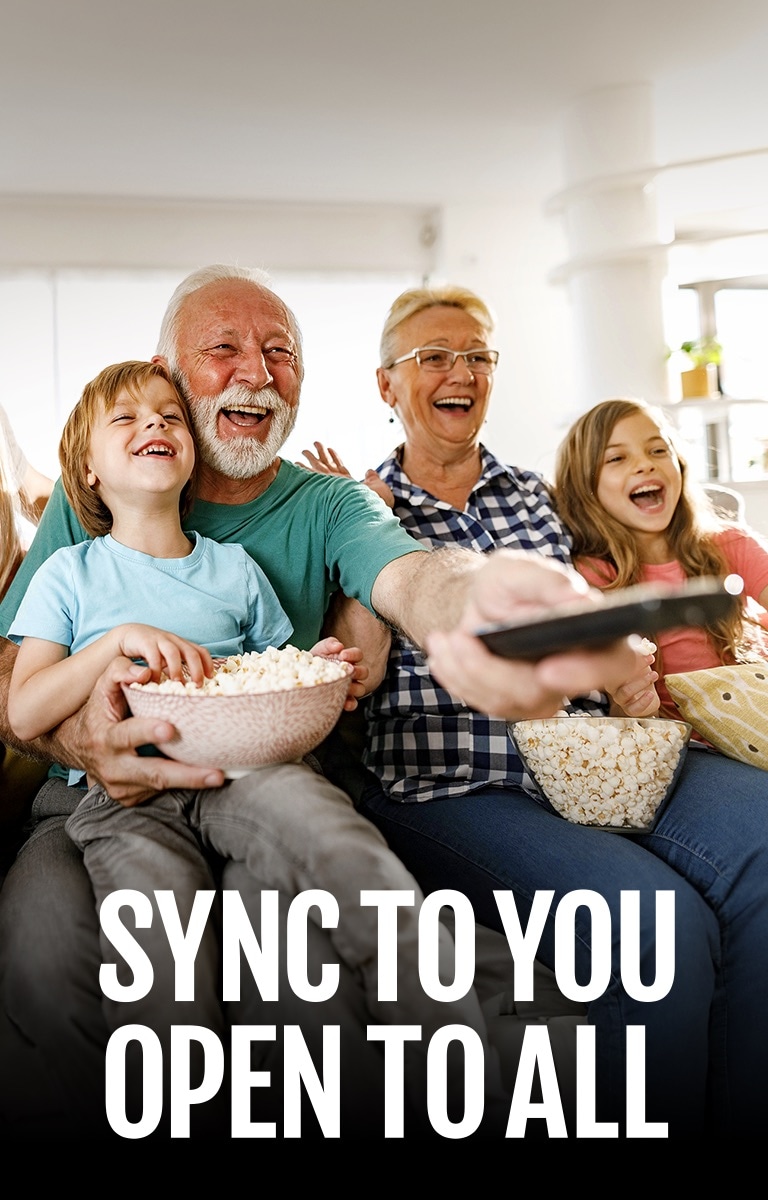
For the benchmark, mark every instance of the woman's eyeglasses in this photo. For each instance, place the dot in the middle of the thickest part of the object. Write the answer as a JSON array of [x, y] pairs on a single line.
[[438, 358]]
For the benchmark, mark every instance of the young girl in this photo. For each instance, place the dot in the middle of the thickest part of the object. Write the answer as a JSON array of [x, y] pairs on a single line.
[[623, 489]]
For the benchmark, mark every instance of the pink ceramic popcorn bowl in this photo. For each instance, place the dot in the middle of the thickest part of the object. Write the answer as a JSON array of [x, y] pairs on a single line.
[[239, 732]]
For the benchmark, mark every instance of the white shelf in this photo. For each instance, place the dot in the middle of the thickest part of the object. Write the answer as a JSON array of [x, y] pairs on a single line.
[[719, 404]]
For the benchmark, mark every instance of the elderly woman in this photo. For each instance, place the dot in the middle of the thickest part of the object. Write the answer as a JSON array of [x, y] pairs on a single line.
[[452, 798]]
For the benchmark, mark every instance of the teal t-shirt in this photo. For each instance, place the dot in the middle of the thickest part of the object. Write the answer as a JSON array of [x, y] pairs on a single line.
[[311, 534]]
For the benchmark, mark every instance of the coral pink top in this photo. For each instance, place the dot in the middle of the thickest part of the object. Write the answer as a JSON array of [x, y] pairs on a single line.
[[689, 648]]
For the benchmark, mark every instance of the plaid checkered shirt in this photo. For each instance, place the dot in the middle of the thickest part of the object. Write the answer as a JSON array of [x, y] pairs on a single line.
[[423, 744]]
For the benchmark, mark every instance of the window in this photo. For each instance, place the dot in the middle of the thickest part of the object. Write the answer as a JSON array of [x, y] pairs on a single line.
[[341, 320], [725, 439], [741, 319], [59, 329]]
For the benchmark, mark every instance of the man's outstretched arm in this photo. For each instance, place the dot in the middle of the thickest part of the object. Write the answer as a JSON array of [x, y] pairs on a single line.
[[439, 599]]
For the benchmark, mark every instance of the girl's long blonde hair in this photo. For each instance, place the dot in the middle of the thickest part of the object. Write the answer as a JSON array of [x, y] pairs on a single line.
[[598, 535]]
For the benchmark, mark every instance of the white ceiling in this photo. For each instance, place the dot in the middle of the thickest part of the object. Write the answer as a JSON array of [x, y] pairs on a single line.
[[402, 101]]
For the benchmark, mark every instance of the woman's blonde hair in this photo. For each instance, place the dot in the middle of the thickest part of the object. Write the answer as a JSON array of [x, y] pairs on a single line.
[[598, 535], [414, 300], [99, 396]]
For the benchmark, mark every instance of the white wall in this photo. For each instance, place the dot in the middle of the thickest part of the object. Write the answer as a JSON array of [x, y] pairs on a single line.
[[506, 254], [372, 251], [37, 231], [513, 254]]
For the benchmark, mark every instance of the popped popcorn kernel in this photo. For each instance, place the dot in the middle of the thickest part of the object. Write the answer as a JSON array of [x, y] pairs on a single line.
[[646, 646], [270, 670]]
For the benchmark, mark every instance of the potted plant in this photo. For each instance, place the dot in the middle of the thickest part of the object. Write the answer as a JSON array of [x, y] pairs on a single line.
[[701, 380]]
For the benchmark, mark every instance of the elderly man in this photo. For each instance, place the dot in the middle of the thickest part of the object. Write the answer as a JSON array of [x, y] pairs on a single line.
[[235, 350]]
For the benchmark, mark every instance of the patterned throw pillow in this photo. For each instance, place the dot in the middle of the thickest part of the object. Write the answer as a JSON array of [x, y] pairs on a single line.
[[729, 707]]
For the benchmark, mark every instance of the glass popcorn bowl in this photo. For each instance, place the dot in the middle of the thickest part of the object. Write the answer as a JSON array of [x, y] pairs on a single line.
[[290, 710], [612, 773]]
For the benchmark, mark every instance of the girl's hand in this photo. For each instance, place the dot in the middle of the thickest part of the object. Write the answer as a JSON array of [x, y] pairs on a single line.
[[163, 651], [637, 697], [331, 647]]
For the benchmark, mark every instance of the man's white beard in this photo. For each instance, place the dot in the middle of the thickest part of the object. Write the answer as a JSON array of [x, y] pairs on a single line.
[[239, 457]]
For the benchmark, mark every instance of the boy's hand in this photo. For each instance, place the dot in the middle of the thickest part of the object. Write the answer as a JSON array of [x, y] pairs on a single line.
[[331, 647], [163, 651]]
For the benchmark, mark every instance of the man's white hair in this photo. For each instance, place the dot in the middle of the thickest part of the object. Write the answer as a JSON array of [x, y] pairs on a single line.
[[216, 273]]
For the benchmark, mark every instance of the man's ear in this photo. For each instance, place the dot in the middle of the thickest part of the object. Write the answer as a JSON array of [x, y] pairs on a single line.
[[160, 358]]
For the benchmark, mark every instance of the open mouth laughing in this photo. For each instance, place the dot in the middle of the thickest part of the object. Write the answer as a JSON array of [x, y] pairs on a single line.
[[246, 416], [649, 497], [156, 449], [454, 404]]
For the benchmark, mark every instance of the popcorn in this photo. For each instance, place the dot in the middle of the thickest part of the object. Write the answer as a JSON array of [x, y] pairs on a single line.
[[646, 646], [602, 771], [269, 671]]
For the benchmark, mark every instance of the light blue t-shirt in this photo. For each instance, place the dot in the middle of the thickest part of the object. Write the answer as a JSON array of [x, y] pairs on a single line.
[[216, 596]]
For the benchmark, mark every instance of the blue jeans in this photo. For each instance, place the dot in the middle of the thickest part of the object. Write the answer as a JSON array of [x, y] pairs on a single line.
[[707, 1040]]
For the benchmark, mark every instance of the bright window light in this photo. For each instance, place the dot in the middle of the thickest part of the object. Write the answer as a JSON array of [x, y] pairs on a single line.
[[60, 328]]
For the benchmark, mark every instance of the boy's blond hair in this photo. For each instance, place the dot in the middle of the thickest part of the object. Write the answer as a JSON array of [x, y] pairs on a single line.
[[100, 395]]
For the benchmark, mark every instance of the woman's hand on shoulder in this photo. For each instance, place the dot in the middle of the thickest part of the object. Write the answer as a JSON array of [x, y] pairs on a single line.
[[373, 480], [325, 461]]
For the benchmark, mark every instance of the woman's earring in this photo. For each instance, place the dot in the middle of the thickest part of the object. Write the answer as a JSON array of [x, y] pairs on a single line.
[[391, 420]]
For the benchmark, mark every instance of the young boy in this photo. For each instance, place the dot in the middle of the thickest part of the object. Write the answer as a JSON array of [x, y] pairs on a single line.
[[128, 457]]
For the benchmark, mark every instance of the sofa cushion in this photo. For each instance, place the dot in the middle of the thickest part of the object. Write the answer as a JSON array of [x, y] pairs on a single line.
[[729, 707]]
